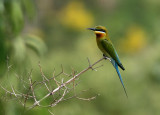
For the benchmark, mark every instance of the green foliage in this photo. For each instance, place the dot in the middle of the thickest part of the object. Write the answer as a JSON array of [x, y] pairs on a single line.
[[14, 16], [21, 44], [35, 43], [13, 43], [29, 7]]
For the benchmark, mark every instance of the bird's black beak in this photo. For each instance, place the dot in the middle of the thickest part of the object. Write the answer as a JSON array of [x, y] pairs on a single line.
[[93, 29]]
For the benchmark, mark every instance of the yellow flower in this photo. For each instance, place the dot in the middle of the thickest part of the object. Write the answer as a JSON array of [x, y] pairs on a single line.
[[135, 39], [75, 15]]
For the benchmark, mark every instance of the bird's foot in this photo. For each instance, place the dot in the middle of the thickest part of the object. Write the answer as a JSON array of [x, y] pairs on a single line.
[[105, 57]]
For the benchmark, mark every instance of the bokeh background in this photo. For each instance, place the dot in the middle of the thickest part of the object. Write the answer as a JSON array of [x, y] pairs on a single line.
[[54, 33]]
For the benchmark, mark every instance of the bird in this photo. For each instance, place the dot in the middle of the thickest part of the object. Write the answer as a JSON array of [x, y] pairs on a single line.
[[107, 48]]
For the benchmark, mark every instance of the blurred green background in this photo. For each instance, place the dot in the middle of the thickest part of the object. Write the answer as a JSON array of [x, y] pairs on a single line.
[[54, 33]]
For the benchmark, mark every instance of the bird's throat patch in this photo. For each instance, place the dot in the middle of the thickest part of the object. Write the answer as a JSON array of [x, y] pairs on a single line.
[[100, 34]]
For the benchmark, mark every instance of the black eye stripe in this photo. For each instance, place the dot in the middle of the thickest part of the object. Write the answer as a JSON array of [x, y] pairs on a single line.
[[100, 30]]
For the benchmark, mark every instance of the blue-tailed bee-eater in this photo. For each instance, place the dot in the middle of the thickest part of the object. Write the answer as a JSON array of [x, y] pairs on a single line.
[[105, 45]]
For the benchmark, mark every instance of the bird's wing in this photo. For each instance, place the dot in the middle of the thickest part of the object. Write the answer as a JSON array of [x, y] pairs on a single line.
[[109, 48]]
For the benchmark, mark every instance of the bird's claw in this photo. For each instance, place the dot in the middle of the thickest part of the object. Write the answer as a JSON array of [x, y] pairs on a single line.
[[105, 57]]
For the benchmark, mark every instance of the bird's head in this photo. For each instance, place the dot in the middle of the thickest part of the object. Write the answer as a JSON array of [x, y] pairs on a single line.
[[100, 31]]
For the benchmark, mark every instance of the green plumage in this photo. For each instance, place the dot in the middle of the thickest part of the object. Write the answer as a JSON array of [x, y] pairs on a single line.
[[108, 49]]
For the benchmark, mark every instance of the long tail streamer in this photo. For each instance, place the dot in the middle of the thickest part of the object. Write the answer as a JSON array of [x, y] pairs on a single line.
[[119, 75]]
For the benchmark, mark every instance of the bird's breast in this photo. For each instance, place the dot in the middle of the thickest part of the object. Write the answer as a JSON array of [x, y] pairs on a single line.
[[100, 35]]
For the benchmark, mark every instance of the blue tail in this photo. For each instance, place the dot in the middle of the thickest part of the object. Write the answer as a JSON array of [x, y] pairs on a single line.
[[119, 75]]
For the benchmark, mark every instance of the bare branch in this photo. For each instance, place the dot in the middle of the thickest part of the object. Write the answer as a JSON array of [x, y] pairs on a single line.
[[67, 82], [11, 93], [60, 86], [87, 99], [31, 84], [64, 93], [44, 77], [50, 112]]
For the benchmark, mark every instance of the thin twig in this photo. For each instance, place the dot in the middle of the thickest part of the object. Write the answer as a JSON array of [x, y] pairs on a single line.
[[44, 78], [50, 112], [64, 93], [87, 99], [31, 86]]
